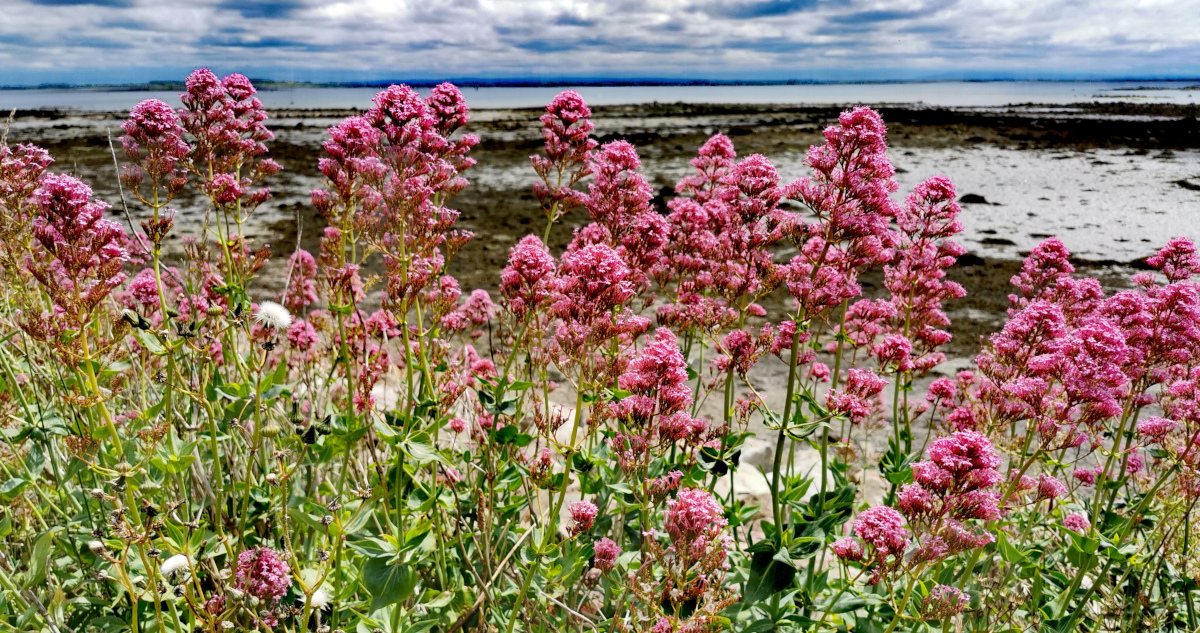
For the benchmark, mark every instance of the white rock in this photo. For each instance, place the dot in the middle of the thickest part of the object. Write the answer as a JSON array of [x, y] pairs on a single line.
[[759, 453], [750, 485]]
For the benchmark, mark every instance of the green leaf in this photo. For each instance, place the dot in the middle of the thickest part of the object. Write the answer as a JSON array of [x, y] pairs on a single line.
[[510, 435], [770, 572], [359, 520], [13, 487], [173, 464], [35, 461], [150, 342], [846, 603], [419, 446], [388, 582], [39, 558], [1008, 551], [299, 515], [621, 487]]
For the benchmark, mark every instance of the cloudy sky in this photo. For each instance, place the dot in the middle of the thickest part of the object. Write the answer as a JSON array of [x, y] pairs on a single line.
[[115, 41]]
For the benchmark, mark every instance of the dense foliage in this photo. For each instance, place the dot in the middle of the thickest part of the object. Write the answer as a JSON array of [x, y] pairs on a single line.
[[375, 450]]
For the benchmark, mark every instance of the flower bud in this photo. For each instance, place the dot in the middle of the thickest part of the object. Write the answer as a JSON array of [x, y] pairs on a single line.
[[272, 429]]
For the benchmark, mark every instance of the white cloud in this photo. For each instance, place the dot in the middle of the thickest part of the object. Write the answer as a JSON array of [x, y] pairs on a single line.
[[61, 40]]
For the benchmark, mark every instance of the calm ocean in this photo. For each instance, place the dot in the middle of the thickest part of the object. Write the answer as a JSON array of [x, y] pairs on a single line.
[[962, 94]]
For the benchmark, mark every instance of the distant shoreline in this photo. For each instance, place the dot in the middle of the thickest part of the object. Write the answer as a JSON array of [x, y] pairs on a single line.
[[268, 84]]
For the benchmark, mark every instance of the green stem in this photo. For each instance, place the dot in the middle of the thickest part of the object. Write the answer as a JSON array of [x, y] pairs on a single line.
[[783, 425]]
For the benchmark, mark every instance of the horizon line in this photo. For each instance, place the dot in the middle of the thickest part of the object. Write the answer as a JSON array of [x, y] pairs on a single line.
[[526, 82]]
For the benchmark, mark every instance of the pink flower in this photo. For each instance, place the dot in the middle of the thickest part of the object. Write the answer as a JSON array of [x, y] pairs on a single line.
[[883, 528], [302, 336], [915, 500], [1046, 264], [852, 166], [660, 369], [660, 396], [583, 515], [301, 289], [1050, 487], [525, 281], [1155, 429], [225, 189], [153, 140], [715, 158], [262, 574], [143, 288], [592, 284], [661, 486], [849, 549], [1134, 463], [931, 210], [478, 308], [962, 452], [858, 398], [1177, 260], [1086, 476], [566, 128], [83, 257], [21, 171], [693, 515], [606, 552], [941, 389], [228, 124], [1076, 522], [458, 425], [960, 538], [618, 201], [911, 320], [449, 107], [943, 602], [895, 351]]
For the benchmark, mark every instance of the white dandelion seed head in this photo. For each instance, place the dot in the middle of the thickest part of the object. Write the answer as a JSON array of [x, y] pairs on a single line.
[[175, 563], [273, 315], [319, 599]]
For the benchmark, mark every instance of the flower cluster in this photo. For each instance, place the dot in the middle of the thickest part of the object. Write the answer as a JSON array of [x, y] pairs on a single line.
[[858, 398], [943, 602], [950, 490], [911, 320], [881, 529], [721, 232], [566, 128], [154, 142], [849, 194], [262, 574], [693, 565], [21, 171], [618, 201], [83, 257]]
